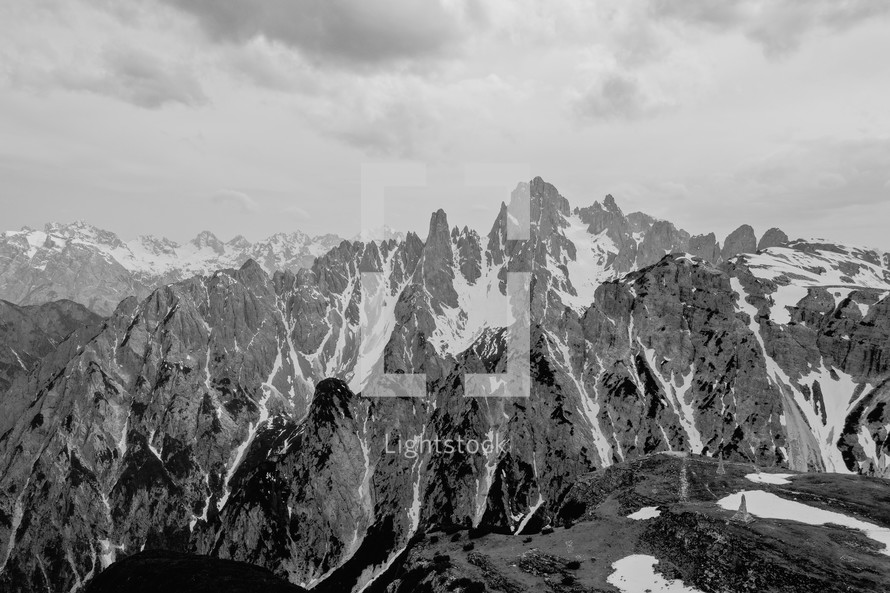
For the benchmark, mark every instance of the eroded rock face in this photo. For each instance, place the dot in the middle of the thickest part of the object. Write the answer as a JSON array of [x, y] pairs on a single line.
[[741, 240], [28, 334], [639, 240], [705, 247], [772, 238], [223, 415]]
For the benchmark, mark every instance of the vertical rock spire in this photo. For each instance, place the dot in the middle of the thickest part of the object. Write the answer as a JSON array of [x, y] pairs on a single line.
[[742, 515]]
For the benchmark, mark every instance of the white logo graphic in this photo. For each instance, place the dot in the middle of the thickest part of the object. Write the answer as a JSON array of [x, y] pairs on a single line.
[[378, 297]]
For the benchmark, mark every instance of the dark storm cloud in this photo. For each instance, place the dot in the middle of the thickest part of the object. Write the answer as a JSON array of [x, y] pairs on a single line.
[[350, 31], [779, 26]]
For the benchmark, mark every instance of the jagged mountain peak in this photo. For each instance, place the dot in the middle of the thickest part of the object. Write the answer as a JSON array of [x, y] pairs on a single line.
[[69, 227], [610, 204], [206, 239], [251, 268], [158, 245], [238, 242], [544, 195], [288, 237], [332, 397], [741, 240], [439, 234], [706, 247], [82, 232]]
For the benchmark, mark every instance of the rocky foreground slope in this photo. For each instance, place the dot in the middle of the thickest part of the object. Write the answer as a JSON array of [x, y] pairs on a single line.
[[661, 523], [222, 415]]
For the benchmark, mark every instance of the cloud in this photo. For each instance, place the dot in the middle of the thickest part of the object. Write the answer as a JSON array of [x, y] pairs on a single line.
[[823, 175], [298, 213], [618, 96], [352, 32], [143, 79], [406, 116], [237, 199], [127, 73], [799, 185], [779, 26], [270, 66]]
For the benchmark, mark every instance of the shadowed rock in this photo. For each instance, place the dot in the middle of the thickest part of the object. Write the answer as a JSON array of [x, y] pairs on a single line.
[[705, 247], [772, 238], [171, 572], [741, 240]]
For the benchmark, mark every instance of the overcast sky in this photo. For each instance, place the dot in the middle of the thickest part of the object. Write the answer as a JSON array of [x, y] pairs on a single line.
[[173, 116]]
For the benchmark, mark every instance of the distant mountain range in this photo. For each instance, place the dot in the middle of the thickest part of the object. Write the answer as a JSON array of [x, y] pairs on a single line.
[[96, 268], [222, 414]]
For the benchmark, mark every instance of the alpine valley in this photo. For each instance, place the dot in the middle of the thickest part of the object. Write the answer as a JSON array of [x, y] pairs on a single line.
[[198, 409]]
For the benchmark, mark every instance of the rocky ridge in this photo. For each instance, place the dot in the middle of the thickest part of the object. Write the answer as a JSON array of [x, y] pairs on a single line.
[[97, 269], [205, 419]]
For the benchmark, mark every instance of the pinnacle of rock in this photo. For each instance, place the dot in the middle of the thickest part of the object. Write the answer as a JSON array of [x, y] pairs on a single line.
[[742, 515]]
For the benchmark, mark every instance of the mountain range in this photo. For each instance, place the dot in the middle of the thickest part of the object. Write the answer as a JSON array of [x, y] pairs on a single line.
[[222, 415], [95, 268]]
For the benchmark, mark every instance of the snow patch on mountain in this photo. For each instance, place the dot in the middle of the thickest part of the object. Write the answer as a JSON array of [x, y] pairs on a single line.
[[589, 268], [825, 416], [806, 265], [636, 573], [776, 479], [645, 513], [769, 506]]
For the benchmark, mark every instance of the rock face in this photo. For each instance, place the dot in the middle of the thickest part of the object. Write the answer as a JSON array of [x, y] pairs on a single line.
[[705, 247], [741, 240], [637, 240], [28, 334], [224, 415], [95, 268], [772, 238]]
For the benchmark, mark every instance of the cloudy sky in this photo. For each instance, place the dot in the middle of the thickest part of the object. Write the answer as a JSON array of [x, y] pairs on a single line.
[[256, 116]]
